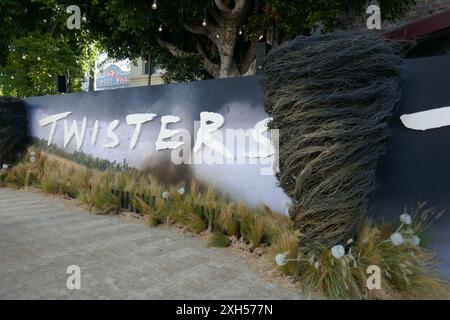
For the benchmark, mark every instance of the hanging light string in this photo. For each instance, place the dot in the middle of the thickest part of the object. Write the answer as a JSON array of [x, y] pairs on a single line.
[[41, 52], [38, 54], [13, 75]]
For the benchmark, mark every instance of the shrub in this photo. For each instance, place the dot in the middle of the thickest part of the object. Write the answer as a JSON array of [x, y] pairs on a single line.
[[255, 230], [220, 240], [406, 267], [228, 221], [287, 243], [17, 175]]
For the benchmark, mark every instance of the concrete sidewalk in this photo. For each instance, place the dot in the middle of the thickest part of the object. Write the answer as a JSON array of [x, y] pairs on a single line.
[[41, 236]]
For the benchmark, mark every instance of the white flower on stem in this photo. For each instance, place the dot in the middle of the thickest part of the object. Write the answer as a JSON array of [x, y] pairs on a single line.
[[405, 218], [280, 259], [397, 239], [32, 153], [5, 166], [338, 251], [415, 240], [33, 159], [165, 195], [317, 265], [181, 190]]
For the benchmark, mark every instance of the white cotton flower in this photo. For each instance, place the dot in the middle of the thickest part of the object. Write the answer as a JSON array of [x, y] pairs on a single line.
[[338, 251], [396, 239], [280, 259], [165, 195], [33, 159], [317, 265], [181, 190], [405, 218], [5, 166], [415, 240]]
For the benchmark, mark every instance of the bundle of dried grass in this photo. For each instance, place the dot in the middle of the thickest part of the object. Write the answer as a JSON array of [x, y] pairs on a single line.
[[14, 136], [330, 97]]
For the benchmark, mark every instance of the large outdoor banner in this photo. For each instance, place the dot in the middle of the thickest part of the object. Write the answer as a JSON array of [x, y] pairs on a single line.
[[217, 130]]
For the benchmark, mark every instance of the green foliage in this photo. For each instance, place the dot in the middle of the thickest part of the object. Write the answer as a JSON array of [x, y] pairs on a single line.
[[286, 18], [98, 194], [183, 47], [180, 69], [219, 240], [37, 31], [256, 230], [228, 221], [287, 242], [129, 29], [17, 176], [33, 63]]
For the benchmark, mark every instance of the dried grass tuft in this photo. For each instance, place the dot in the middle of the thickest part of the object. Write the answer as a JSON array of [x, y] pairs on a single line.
[[330, 97]]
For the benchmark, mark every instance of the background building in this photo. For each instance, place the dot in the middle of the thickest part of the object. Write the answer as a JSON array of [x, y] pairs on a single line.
[[123, 74], [139, 71]]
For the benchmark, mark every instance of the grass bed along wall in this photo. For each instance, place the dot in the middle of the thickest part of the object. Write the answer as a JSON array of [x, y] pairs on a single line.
[[323, 272]]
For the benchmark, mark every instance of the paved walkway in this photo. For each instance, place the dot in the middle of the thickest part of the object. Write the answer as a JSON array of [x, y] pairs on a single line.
[[41, 236]]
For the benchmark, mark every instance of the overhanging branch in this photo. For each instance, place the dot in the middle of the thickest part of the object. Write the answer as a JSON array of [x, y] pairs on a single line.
[[211, 67], [222, 6], [174, 50], [210, 31], [240, 6]]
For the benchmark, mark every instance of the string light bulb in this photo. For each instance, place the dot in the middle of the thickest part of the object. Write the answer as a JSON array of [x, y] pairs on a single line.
[[204, 24], [12, 77], [260, 37], [38, 58], [217, 36], [160, 28], [84, 18], [240, 32], [24, 56], [154, 5]]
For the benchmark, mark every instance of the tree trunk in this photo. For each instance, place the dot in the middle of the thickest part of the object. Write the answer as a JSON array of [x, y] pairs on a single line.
[[92, 79], [226, 45], [223, 33]]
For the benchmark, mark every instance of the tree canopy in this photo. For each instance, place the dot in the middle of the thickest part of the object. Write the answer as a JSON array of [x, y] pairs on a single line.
[[217, 38], [190, 39], [36, 46]]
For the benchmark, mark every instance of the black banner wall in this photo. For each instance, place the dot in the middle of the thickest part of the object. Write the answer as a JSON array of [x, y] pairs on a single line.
[[416, 167], [137, 125]]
